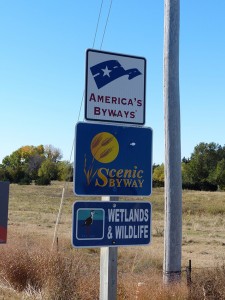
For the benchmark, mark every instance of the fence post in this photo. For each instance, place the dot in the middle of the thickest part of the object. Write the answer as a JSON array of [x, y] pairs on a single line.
[[188, 271]]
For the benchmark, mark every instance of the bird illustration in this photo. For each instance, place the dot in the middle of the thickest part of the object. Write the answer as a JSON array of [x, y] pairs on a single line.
[[88, 222]]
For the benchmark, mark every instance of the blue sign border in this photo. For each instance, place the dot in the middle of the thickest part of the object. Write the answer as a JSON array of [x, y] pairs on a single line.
[[121, 224], [135, 151]]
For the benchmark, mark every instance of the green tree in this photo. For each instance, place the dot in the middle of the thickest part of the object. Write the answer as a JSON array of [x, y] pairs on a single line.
[[33, 164], [65, 171], [23, 164], [31, 159], [220, 174], [13, 168], [158, 173], [52, 153], [203, 162], [48, 169]]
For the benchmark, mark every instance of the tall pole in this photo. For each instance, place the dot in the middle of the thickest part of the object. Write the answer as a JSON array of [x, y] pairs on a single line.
[[108, 268], [173, 181]]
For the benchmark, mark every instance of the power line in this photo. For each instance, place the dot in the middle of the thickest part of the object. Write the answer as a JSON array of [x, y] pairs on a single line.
[[96, 30], [106, 23], [65, 187]]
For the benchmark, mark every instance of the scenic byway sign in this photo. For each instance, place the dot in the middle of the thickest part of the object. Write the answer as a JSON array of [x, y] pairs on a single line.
[[111, 224], [115, 87], [112, 160]]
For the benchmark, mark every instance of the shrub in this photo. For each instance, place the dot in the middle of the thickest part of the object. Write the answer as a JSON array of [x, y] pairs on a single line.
[[43, 181], [157, 183], [25, 181], [48, 275], [190, 186], [207, 186], [200, 186], [3, 174]]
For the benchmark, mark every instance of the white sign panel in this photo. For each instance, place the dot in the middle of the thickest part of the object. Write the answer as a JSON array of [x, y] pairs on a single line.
[[115, 87]]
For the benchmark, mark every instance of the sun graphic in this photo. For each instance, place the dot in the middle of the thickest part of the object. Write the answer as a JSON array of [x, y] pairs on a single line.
[[104, 147]]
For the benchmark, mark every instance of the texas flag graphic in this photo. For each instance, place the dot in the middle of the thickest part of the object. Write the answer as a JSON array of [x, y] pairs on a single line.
[[107, 71]]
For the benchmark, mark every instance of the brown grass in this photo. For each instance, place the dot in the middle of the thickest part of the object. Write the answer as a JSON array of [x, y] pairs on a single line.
[[48, 274], [30, 270], [208, 284]]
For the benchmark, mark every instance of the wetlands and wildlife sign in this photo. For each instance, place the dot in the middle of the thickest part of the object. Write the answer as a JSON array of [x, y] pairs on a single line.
[[112, 160], [115, 87], [111, 224], [4, 200]]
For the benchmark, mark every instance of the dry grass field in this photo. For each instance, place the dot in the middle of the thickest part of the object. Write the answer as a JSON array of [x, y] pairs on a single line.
[[31, 269]]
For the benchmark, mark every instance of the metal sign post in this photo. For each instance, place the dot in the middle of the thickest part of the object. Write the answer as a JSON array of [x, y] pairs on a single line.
[[112, 161], [108, 268], [108, 224]]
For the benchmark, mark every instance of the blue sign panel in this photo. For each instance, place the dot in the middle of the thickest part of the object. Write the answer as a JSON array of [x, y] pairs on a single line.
[[4, 201], [113, 160], [111, 223]]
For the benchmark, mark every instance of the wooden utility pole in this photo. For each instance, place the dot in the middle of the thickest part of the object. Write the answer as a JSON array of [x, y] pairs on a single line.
[[173, 181], [108, 268]]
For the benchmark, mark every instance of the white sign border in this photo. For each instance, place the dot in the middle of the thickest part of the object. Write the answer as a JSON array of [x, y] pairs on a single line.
[[86, 89]]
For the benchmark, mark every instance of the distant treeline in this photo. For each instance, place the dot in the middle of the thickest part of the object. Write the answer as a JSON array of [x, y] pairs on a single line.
[[204, 170], [40, 164]]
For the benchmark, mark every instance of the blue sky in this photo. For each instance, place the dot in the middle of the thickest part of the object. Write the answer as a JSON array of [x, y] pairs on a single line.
[[42, 67]]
